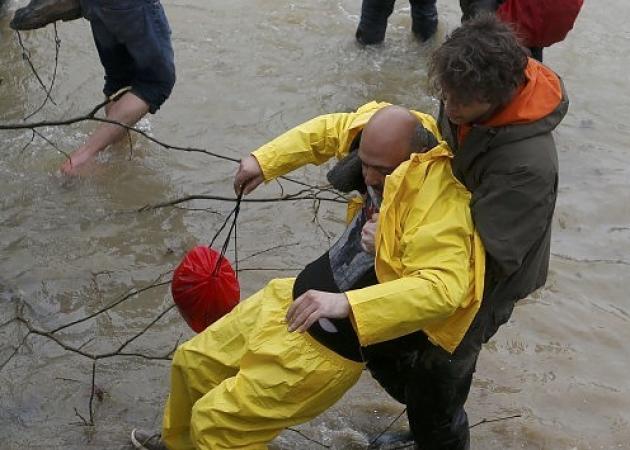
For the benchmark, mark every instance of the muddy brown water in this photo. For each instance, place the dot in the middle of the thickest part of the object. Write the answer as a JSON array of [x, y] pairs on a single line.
[[248, 70]]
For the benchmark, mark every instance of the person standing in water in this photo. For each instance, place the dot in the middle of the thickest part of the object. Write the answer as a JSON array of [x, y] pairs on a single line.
[[133, 39], [290, 351], [498, 111]]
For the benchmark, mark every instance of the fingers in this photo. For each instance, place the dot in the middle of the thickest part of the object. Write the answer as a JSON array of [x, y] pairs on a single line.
[[367, 238], [301, 312], [251, 184], [304, 318]]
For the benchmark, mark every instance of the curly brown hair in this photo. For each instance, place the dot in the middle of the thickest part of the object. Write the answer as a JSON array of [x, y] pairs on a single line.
[[480, 61]]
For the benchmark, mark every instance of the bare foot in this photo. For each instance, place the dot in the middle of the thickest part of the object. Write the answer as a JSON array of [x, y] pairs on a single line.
[[76, 160]]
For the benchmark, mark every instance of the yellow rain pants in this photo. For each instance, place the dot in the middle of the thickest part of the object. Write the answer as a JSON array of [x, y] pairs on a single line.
[[244, 379]]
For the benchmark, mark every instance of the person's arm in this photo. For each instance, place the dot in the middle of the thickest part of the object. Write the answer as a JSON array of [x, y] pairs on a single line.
[[313, 142], [512, 210]]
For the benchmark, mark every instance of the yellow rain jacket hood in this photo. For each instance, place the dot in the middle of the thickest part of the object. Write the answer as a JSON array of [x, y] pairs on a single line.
[[429, 260]]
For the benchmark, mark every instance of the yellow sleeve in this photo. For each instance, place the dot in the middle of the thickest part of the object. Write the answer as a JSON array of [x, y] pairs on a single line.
[[313, 142], [436, 248]]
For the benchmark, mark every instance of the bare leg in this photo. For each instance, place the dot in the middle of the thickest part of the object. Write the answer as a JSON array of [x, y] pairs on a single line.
[[128, 110]]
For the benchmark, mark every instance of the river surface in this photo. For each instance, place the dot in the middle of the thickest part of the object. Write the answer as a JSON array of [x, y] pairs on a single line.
[[248, 70]]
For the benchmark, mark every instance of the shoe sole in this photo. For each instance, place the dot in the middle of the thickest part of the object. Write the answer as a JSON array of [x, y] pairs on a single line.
[[136, 443]]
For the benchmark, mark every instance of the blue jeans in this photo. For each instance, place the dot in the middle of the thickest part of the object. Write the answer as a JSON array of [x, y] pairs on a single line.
[[133, 39]]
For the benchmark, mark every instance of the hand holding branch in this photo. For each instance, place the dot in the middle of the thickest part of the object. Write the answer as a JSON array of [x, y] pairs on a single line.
[[248, 176]]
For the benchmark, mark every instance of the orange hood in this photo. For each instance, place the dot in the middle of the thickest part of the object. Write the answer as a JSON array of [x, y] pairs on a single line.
[[540, 96]]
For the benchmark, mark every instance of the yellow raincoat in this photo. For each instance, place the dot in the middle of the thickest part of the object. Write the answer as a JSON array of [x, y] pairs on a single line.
[[244, 379], [429, 260]]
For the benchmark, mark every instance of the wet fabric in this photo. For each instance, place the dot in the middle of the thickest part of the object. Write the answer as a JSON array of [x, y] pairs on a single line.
[[512, 172], [343, 339], [432, 383], [540, 23], [504, 167], [536, 99], [133, 39], [348, 261], [204, 287], [321, 138], [244, 379], [374, 15], [429, 260]]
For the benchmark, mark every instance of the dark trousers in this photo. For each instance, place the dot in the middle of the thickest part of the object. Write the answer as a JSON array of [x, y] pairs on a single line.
[[432, 383], [537, 53], [374, 15]]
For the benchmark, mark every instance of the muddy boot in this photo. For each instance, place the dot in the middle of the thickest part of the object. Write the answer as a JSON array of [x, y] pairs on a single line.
[[373, 23], [424, 18]]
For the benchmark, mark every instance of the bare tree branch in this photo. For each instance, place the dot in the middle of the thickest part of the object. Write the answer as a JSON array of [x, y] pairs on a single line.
[[54, 75], [26, 56]]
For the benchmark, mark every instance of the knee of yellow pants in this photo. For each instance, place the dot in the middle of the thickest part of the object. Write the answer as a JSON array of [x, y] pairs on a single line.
[[209, 431]]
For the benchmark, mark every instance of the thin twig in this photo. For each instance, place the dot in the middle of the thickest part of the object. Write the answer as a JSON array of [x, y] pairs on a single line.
[[112, 305], [52, 144], [499, 419], [91, 117], [14, 352], [592, 261], [26, 56], [92, 392], [269, 269], [276, 247], [386, 428], [295, 430], [29, 142], [54, 75], [78, 414], [188, 198], [137, 335]]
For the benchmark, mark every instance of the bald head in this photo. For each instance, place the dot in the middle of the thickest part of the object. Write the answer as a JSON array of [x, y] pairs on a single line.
[[391, 129], [386, 141]]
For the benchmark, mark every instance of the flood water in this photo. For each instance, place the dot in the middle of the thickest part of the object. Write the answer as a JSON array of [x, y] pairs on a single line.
[[247, 71]]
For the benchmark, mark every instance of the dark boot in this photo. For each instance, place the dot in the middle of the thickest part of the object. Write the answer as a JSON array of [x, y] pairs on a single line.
[[424, 18], [373, 23], [392, 439]]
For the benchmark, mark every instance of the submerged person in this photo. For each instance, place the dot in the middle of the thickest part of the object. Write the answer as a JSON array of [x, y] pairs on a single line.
[[133, 39], [290, 351], [498, 112]]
